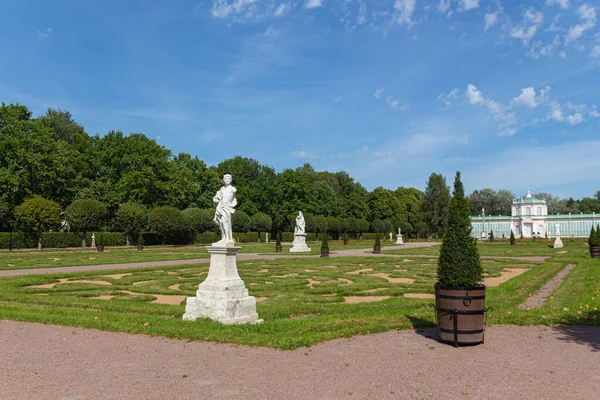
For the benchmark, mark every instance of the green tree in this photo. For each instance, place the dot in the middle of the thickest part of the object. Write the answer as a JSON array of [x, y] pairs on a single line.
[[383, 204], [32, 163], [86, 215], [198, 220], [261, 222], [131, 218], [240, 221], [38, 215], [459, 264], [435, 205], [166, 221], [494, 202]]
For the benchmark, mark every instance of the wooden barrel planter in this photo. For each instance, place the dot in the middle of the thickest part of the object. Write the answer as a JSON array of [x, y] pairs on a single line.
[[460, 315], [140, 247], [277, 248], [100, 249], [324, 252], [595, 251], [376, 249]]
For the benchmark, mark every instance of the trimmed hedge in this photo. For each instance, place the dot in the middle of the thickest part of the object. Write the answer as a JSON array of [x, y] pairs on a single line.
[[27, 240]]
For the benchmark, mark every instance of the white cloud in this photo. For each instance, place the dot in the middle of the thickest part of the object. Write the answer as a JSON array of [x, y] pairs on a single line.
[[449, 98], [271, 31], [575, 119], [362, 13], [395, 104], [44, 34], [469, 4], [378, 92], [556, 112], [491, 19], [588, 17], [535, 17], [594, 113], [405, 9], [223, 8], [313, 4], [564, 4], [282, 9], [529, 98], [473, 95], [444, 7], [303, 154], [507, 132], [519, 32], [595, 53]]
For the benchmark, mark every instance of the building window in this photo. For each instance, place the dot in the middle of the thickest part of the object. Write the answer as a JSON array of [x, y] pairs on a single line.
[[539, 211], [528, 211]]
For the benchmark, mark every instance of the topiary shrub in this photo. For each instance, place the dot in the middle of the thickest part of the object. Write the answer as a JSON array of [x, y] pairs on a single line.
[[512, 238], [377, 240], [278, 239], [491, 236], [86, 215], [140, 240], [38, 215], [324, 242], [167, 221], [459, 264]]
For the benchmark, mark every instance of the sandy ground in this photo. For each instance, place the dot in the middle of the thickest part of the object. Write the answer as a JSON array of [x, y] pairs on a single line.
[[53, 362]]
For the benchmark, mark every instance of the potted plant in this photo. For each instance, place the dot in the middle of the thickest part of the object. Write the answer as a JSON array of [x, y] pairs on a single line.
[[140, 242], [512, 238], [377, 246], [278, 243], [100, 244], [594, 242], [324, 247], [459, 294], [345, 238], [492, 236]]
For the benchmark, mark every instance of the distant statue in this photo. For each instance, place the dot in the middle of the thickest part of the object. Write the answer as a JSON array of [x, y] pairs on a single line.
[[226, 201], [391, 236], [399, 232], [558, 229], [300, 224]]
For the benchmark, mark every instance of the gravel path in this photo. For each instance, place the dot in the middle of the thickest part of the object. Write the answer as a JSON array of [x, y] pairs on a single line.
[[54, 362], [240, 257], [538, 299]]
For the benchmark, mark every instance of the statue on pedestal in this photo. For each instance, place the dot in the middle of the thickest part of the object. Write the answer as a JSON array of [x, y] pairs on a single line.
[[299, 243], [226, 201], [300, 224]]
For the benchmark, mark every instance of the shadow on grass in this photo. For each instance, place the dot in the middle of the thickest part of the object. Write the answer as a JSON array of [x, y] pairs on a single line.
[[423, 327], [581, 332]]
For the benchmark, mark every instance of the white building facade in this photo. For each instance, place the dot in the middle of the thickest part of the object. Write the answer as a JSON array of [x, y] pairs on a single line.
[[530, 219]]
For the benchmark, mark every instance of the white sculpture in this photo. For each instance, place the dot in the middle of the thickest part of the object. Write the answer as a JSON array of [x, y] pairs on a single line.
[[299, 243], [223, 297], [399, 237], [399, 232], [300, 224], [558, 229], [94, 241], [226, 201], [558, 242]]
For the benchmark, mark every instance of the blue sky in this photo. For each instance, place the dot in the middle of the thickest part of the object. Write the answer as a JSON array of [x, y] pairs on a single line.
[[389, 91]]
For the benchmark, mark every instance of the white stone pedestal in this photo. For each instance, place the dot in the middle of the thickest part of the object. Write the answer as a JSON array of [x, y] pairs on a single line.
[[299, 243], [558, 243], [223, 296], [399, 239]]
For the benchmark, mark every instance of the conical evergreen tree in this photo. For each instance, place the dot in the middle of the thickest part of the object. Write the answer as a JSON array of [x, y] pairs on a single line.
[[459, 264], [512, 237], [592, 236]]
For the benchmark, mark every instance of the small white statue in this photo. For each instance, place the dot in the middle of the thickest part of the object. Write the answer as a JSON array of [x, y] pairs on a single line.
[[94, 241], [391, 236], [399, 232], [557, 229], [300, 224], [226, 201]]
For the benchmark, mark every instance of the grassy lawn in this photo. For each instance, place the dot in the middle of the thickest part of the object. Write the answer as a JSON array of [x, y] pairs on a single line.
[[302, 300], [48, 258]]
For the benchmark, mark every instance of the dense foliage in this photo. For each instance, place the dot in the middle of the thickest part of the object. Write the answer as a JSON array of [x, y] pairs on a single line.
[[51, 156], [459, 264], [594, 239]]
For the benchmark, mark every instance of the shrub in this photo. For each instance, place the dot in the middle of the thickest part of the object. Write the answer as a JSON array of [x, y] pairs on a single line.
[[594, 239], [491, 236], [324, 242], [140, 240], [166, 221], [131, 218], [86, 215], [377, 240], [512, 237], [38, 215], [240, 221], [261, 222], [196, 220], [459, 264], [278, 240]]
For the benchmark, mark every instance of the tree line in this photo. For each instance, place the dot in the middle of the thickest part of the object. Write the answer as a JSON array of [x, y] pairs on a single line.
[[130, 183]]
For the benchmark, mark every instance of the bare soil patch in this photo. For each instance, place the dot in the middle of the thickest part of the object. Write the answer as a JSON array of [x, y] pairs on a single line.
[[364, 299], [312, 282], [263, 270], [173, 300], [392, 280], [419, 295], [374, 290], [174, 287], [102, 297], [66, 280], [505, 276], [261, 299], [117, 276], [284, 276], [346, 281], [360, 271]]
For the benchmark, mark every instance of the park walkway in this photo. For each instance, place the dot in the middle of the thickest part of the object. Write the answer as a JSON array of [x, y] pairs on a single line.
[[367, 252], [536, 362]]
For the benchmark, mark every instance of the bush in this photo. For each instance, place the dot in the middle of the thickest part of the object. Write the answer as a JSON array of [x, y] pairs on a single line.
[[377, 240], [196, 220], [167, 222], [512, 237], [261, 222], [131, 218], [324, 242], [207, 237], [594, 239], [38, 215], [459, 264], [140, 240], [278, 240], [240, 222], [86, 215], [28, 240]]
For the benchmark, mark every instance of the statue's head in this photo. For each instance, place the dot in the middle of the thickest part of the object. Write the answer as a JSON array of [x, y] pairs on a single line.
[[227, 179]]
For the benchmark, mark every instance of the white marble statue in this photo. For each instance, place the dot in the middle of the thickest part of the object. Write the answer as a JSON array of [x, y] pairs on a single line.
[[300, 224], [557, 230], [93, 241], [391, 236], [226, 201], [399, 232]]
